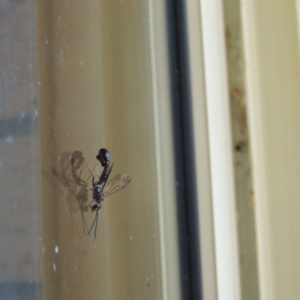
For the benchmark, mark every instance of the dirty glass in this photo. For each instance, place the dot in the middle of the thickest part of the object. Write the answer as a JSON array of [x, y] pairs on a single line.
[[21, 224], [77, 76]]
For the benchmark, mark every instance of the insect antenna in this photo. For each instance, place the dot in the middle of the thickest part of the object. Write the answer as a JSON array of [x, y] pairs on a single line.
[[91, 172]]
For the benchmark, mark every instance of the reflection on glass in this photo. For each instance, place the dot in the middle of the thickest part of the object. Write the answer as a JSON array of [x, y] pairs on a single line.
[[76, 193]]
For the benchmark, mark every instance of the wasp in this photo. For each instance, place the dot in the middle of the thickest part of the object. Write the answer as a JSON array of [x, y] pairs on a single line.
[[103, 187]]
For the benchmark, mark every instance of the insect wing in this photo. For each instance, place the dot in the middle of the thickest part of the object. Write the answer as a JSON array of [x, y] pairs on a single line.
[[116, 183], [79, 192], [52, 182], [61, 177]]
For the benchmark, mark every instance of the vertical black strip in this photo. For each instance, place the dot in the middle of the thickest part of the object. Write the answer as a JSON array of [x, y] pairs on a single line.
[[190, 270]]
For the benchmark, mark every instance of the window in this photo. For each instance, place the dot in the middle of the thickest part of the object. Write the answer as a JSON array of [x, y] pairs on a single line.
[[198, 101]]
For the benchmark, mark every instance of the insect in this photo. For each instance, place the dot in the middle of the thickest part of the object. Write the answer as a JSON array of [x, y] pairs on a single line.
[[103, 188], [103, 157], [69, 175]]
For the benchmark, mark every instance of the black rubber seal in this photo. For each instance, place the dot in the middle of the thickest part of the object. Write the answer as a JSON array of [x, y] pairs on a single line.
[[186, 189]]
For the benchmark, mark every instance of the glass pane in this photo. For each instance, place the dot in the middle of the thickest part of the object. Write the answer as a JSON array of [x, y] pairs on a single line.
[[103, 83], [77, 77]]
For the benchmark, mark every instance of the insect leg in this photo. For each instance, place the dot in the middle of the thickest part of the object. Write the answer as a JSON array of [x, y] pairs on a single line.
[[93, 224], [74, 225], [96, 224], [84, 225]]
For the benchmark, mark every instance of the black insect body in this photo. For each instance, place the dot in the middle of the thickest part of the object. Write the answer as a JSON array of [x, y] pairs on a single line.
[[98, 186], [104, 175], [103, 157], [98, 196], [103, 188]]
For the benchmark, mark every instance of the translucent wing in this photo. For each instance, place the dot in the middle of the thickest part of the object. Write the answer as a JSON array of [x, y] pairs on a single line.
[[116, 183], [65, 180], [76, 189], [79, 192], [59, 175], [53, 183]]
